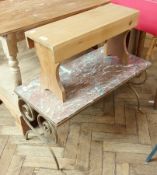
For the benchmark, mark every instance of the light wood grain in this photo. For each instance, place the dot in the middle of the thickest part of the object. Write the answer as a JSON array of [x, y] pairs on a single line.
[[84, 147], [122, 169], [15, 166], [109, 163], [9, 45], [72, 142], [126, 138], [144, 169], [132, 158], [6, 158], [12, 29], [130, 121], [126, 147], [58, 41], [119, 114], [96, 158], [36, 13], [3, 142], [82, 32], [50, 72], [143, 131]]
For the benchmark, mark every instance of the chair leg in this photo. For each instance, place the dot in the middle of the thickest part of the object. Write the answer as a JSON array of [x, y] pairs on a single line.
[[150, 156]]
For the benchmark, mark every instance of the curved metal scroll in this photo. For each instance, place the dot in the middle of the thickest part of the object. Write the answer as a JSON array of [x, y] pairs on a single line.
[[49, 130], [26, 111], [28, 116], [137, 97], [141, 82]]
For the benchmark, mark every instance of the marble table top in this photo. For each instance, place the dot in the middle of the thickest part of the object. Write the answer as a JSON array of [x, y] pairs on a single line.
[[86, 79]]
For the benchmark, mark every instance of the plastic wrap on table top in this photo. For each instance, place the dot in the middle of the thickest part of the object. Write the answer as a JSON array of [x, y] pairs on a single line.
[[86, 79]]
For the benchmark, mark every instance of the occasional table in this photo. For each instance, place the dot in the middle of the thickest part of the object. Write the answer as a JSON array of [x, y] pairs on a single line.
[[73, 75], [87, 79]]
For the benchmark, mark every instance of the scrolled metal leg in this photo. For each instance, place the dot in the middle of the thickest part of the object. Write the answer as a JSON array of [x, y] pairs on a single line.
[[138, 76], [28, 116], [48, 131], [108, 103], [26, 111], [27, 134], [137, 97]]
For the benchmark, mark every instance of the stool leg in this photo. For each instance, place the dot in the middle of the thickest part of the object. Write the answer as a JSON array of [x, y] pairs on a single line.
[[116, 46], [50, 78], [150, 156]]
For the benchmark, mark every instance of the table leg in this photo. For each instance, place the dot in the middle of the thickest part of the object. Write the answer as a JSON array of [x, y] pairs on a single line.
[[9, 45], [129, 85], [28, 115]]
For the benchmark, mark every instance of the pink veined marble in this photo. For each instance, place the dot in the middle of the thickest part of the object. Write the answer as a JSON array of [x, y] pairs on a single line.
[[86, 79], [148, 13]]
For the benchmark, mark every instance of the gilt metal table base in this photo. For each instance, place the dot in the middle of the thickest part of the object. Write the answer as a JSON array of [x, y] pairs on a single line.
[[137, 97], [131, 84], [49, 131], [86, 81], [138, 76]]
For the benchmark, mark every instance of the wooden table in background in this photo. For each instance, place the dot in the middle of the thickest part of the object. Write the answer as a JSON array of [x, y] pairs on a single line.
[[17, 16]]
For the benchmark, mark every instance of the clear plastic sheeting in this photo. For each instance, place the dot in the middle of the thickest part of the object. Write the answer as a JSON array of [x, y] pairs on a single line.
[[86, 79]]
